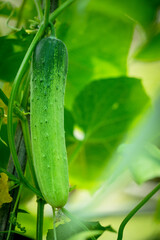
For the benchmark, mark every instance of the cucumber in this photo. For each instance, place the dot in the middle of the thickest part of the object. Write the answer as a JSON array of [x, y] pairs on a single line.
[[49, 72]]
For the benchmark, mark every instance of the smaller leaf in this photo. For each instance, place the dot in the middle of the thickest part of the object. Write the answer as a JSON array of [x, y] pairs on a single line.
[[146, 164], [71, 230], [22, 211], [4, 190]]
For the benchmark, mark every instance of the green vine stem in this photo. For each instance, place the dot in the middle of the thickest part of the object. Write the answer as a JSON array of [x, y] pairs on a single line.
[[3, 97], [76, 221], [15, 87], [134, 211], [40, 213], [60, 9], [46, 12], [26, 134]]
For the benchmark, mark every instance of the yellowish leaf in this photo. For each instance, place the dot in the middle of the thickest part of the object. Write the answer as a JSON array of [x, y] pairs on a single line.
[[7, 90], [4, 189]]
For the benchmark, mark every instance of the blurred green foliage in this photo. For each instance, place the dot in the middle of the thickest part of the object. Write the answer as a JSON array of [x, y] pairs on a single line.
[[102, 101]]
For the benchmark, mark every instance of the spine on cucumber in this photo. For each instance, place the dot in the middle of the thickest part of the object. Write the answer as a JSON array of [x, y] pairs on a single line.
[[49, 71]]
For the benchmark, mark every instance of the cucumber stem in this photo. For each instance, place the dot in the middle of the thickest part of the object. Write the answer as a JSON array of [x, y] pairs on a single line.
[[40, 213], [54, 224], [53, 33], [46, 12]]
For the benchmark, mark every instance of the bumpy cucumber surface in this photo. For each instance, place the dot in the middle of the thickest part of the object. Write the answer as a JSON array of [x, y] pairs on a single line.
[[49, 71]]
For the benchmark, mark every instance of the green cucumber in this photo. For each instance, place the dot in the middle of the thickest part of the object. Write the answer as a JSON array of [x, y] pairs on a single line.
[[49, 71]]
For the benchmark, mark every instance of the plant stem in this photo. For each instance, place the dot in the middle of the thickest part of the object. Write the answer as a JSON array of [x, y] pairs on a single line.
[[134, 211], [27, 141], [53, 34], [59, 10], [11, 176], [40, 213], [15, 87], [54, 224], [3, 97], [46, 12], [39, 9]]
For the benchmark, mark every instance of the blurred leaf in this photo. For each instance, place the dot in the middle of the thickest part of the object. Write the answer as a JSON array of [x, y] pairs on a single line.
[[104, 110], [71, 230], [147, 164], [6, 8], [68, 123], [143, 11], [97, 43], [69, 127], [29, 12], [157, 212], [150, 51], [14, 48]]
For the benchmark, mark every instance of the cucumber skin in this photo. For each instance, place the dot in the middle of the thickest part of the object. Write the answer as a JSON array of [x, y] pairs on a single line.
[[49, 72]]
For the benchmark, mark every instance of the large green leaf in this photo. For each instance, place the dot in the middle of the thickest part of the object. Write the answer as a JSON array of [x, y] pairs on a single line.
[[103, 110], [97, 43], [142, 12]]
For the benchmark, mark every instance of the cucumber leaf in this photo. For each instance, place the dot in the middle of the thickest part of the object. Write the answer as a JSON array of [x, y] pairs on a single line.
[[72, 231], [104, 111], [97, 43]]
